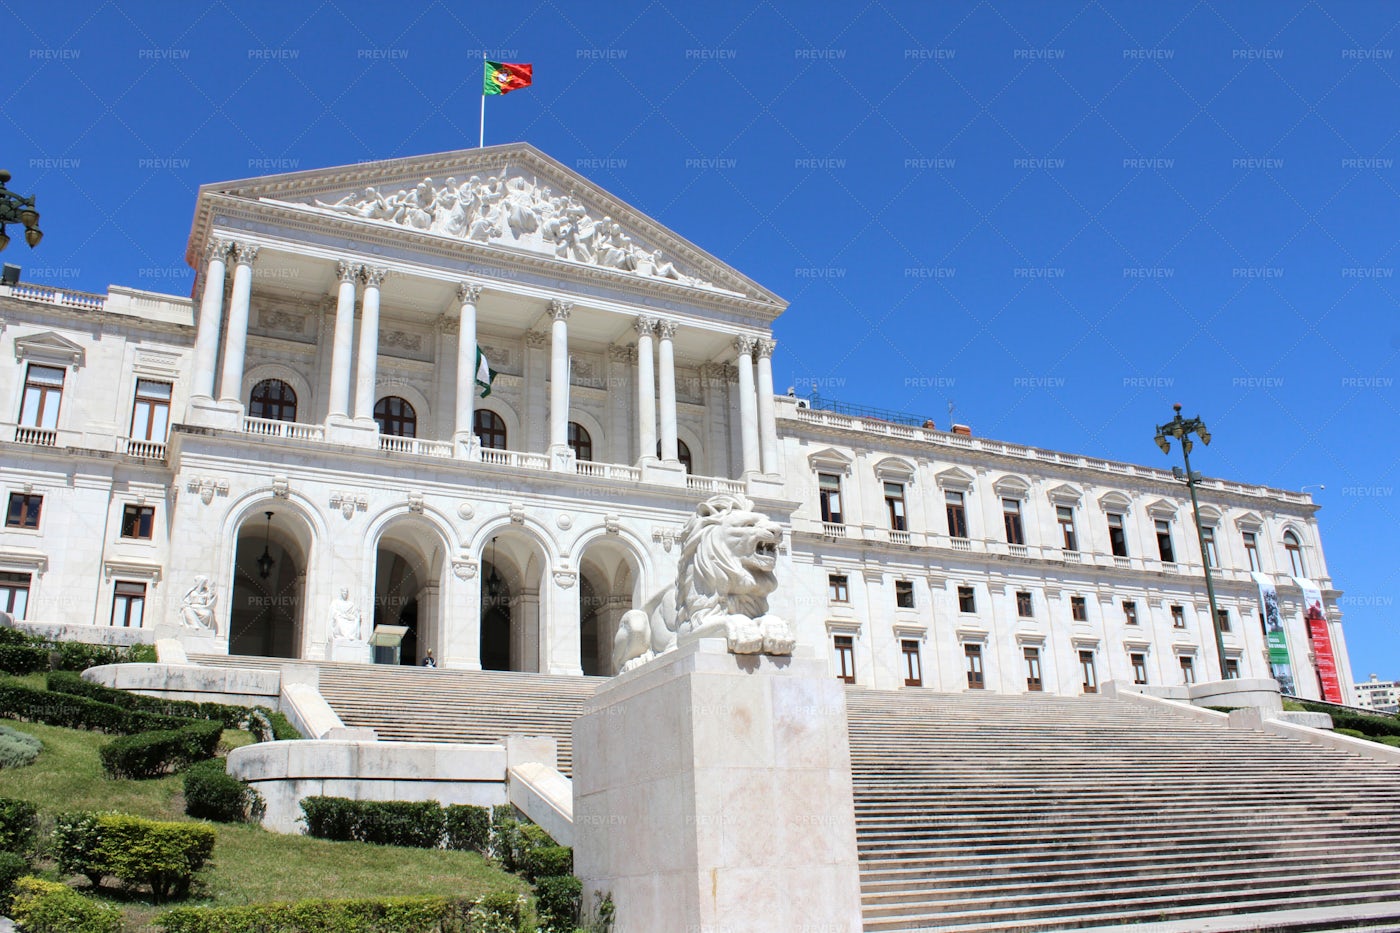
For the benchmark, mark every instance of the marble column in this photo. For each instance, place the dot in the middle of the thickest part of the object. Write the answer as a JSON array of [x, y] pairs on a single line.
[[468, 295], [343, 343], [667, 390], [646, 390], [211, 315], [767, 414], [748, 404], [366, 365], [231, 382], [559, 375]]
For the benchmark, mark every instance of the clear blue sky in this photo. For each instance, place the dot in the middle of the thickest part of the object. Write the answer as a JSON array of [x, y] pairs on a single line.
[[1062, 217]]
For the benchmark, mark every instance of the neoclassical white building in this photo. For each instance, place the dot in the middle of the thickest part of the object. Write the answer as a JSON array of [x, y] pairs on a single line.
[[310, 423]]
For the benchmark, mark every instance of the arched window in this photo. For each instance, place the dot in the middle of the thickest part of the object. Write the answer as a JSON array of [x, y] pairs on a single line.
[[274, 400], [580, 441], [1295, 554], [489, 428], [682, 454], [395, 417]]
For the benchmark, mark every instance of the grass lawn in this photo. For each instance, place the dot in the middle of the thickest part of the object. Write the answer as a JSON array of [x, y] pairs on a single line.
[[250, 865]]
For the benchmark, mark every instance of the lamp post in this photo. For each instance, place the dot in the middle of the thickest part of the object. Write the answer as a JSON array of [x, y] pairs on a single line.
[[17, 210], [1182, 429]]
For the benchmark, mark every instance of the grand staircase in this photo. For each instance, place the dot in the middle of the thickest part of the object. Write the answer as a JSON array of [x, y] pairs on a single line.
[[980, 812]]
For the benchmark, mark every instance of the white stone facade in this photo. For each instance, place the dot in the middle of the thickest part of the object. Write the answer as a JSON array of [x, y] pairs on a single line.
[[134, 429], [1381, 695]]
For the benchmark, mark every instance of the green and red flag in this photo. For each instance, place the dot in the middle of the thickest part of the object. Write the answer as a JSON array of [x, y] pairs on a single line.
[[504, 77]]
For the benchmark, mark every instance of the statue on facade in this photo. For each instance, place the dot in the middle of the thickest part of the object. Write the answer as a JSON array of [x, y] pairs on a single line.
[[345, 618], [725, 575], [197, 606]]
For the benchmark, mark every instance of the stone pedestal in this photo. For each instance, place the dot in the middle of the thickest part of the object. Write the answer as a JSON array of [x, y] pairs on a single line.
[[343, 649], [193, 641], [351, 433], [206, 412], [661, 473], [712, 792]]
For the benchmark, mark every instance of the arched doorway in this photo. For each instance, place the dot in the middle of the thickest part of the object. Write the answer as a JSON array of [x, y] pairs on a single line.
[[268, 599], [407, 582], [512, 568], [609, 585]]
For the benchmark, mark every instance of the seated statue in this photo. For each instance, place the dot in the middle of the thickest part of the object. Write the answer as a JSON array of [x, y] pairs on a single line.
[[345, 618], [197, 607]]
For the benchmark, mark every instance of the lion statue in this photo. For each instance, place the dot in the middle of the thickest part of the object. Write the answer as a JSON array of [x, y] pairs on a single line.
[[728, 552]]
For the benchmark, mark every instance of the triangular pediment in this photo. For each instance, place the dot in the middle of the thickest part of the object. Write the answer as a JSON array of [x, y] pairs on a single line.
[[512, 199], [49, 347]]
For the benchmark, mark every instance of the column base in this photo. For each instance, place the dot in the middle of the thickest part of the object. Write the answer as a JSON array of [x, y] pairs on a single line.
[[466, 446], [763, 485], [562, 459], [351, 433], [354, 651], [663, 472], [226, 414]]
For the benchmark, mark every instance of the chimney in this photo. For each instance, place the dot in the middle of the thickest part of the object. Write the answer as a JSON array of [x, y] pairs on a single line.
[[962, 429]]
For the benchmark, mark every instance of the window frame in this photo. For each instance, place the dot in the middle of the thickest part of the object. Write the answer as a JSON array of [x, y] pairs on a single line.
[[145, 519], [1138, 660], [1025, 604], [1117, 534], [913, 662], [1011, 521], [972, 664], [967, 599], [1088, 670], [488, 425], [1166, 552], [1178, 614], [1222, 618], [152, 404], [1187, 664], [580, 441], [838, 588], [1293, 547], [42, 392], [133, 599], [1211, 555], [1130, 612], [406, 417], [844, 647], [29, 513], [1079, 609], [1035, 680], [1251, 549], [270, 408], [829, 498], [895, 506], [1067, 531], [955, 506], [12, 585], [903, 588]]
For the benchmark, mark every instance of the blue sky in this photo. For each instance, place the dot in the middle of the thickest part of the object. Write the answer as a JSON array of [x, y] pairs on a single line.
[[1060, 217]]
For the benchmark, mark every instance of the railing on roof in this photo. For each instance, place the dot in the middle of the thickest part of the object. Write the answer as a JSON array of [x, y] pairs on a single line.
[[865, 411], [86, 301]]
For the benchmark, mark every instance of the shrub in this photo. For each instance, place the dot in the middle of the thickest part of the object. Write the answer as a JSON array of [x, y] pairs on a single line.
[[163, 856], [557, 902], [151, 754], [505, 836], [1364, 723], [13, 866], [19, 825], [211, 793], [232, 717], [330, 818], [468, 828], [389, 823], [49, 907], [1351, 732], [17, 748], [1392, 740], [384, 915], [500, 912], [23, 659], [548, 861], [75, 712], [75, 844]]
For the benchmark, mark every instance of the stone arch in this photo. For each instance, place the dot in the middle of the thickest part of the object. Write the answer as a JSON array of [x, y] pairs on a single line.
[[406, 567], [700, 464], [269, 610], [422, 409], [514, 437], [272, 370], [596, 433], [511, 629], [613, 575]]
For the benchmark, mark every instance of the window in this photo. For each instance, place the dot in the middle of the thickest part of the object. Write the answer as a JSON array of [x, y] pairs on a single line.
[[1178, 617], [904, 594], [128, 604], [138, 521], [1223, 617], [1033, 682], [845, 658], [489, 429], [1188, 670], [14, 593], [1117, 539], [1208, 536], [1295, 554], [913, 669], [972, 656], [1130, 616], [1078, 609], [683, 455], [1139, 668], [1011, 518], [1066, 518], [580, 441], [1024, 607], [43, 390], [1164, 541], [395, 417], [894, 504], [1232, 668], [1251, 549], [24, 510], [274, 400], [837, 589], [150, 414], [1091, 674], [957, 514], [829, 491], [967, 602]]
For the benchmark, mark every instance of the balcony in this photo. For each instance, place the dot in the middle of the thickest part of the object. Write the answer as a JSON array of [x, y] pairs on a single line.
[[39, 437], [833, 530], [598, 470], [414, 445], [900, 537], [518, 459], [146, 450], [714, 484], [292, 430]]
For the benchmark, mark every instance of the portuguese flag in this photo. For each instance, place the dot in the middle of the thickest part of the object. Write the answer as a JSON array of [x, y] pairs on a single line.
[[504, 77]]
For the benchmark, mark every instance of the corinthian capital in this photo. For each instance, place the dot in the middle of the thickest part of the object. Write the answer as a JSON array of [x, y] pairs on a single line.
[[559, 309], [217, 248], [766, 348], [467, 293], [374, 276], [646, 326], [245, 253], [347, 271], [744, 345], [666, 329]]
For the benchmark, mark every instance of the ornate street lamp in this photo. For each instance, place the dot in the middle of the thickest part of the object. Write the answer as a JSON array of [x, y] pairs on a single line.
[[265, 562], [1182, 429], [17, 210]]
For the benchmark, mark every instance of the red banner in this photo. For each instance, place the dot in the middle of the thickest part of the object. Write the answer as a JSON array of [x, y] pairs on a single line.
[[1321, 639]]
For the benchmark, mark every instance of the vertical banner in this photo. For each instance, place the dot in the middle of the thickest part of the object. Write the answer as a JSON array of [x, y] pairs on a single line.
[[1273, 633], [1315, 614]]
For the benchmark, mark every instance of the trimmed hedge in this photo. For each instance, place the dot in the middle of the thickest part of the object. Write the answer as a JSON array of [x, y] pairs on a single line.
[[390, 823], [468, 828], [211, 793], [23, 659], [50, 907], [384, 915], [232, 717], [558, 900], [18, 749], [548, 861], [152, 754], [1369, 726], [74, 844], [23, 653], [13, 866], [162, 856], [75, 712], [19, 825]]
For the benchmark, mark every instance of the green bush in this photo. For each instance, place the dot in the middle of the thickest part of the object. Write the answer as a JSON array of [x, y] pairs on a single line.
[[389, 823], [548, 861], [232, 717], [74, 712], [1351, 732], [385, 915], [1364, 723], [468, 828], [1392, 740], [152, 754], [330, 818], [49, 907], [17, 749], [557, 902], [162, 856], [13, 866], [19, 825], [500, 912], [505, 836], [74, 845], [23, 659], [211, 793]]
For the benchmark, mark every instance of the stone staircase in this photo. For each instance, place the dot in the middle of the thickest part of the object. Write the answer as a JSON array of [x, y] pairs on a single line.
[[980, 812]]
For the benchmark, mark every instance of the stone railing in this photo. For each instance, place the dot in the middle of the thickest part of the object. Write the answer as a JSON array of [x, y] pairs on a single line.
[[833, 529], [292, 430], [517, 459], [85, 301], [415, 445], [714, 484], [146, 450], [599, 470], [39, 437]]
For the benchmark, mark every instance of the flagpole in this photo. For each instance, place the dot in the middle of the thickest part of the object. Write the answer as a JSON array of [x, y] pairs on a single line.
[[481, 142]]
